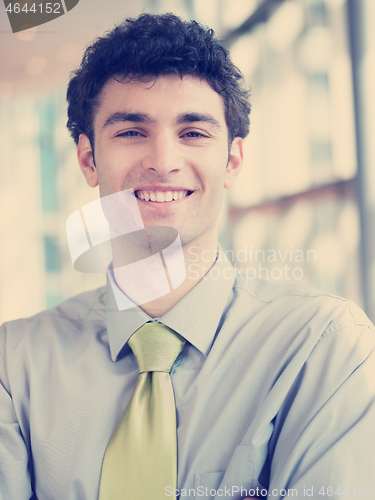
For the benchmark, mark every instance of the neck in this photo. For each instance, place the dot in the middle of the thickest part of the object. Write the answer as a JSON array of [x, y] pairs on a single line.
[[199, 258]]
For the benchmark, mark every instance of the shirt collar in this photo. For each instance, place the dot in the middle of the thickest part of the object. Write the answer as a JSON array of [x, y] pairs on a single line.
[[196, 317]]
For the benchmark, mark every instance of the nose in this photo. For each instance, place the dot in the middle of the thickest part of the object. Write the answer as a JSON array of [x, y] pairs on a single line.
[[163, 155]]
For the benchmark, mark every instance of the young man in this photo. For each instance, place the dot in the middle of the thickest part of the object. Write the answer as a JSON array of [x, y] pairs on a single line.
[[273, 385]]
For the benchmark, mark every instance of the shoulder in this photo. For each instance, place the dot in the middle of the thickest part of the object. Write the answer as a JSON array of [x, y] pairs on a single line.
[[269, 291], [298, 307], [82, 306], [71, 316]]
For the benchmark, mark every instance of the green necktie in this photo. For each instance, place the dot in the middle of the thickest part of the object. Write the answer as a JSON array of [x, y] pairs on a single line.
[[141, 457]]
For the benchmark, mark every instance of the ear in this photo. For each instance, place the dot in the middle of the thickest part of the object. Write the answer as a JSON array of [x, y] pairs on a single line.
[[234, 163], [86, 160]]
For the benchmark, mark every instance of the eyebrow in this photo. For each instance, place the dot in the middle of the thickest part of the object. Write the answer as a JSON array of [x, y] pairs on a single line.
[[197, 117], [144, 118], [127, 117]]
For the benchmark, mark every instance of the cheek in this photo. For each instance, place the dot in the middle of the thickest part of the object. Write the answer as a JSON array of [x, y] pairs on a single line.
[[107, 179], [213, 167], [215, 192], [217, 178], [109, 166]]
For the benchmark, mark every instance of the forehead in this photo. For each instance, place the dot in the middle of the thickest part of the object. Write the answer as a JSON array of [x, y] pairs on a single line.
[[162, 98]]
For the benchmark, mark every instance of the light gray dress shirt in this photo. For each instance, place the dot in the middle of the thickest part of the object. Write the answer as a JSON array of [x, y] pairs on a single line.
[[275, 389]]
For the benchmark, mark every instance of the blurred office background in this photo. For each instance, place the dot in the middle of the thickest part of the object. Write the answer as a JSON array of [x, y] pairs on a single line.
[[303, 207]]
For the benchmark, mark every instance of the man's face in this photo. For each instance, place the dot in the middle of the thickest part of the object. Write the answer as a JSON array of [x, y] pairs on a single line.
[[168, 140]]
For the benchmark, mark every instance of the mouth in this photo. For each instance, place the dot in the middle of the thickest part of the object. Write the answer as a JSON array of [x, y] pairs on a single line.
[[151, 196]]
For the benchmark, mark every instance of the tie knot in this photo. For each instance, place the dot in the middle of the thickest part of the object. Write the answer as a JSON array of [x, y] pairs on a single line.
[[156, 347]]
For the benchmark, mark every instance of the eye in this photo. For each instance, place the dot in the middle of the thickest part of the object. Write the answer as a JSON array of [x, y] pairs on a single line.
[[194, 134], [130, 133]]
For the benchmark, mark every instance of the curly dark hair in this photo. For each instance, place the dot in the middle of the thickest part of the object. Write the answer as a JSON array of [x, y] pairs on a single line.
[[149, 46]]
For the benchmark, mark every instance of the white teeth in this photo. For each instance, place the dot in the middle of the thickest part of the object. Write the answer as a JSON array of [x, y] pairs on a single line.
[[161, 196]]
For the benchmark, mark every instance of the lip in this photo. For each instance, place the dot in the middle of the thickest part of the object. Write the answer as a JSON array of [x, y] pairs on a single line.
[[160, 187]]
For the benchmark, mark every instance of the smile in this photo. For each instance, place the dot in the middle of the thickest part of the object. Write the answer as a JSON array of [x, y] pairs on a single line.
[[161, 196]]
